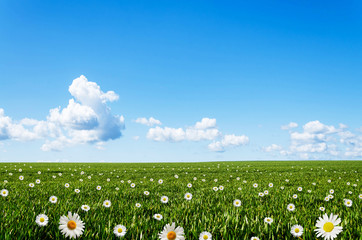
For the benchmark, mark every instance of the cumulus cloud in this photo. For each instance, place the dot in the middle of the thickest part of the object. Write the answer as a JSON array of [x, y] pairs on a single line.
[[149, 122], [228, 140], [289, 126], [86, 119], [321, 141], [204, 130]]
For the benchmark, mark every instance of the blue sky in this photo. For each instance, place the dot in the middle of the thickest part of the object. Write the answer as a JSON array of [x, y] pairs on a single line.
[[248, 69]]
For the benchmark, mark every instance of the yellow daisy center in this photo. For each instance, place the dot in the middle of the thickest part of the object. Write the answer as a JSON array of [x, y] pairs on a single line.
[[120, 230], [296, 230], [328, 227], [291, 207], [348, 202], [41, 219], [4, 192], [237, 203], [171, 235], [164, 199], [53, 199], [205, 237], [107, 203], [72, 225], [189, 196]]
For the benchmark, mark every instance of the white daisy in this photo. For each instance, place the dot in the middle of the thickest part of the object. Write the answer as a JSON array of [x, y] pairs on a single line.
[[237, 203], [360, 196], [327, 227], [21, 178], [164, 199], [71, 225], [266, 192], [322, 209], [37, 181], [160, 181], [53, 199], [296, 231], [77, 190], [133, 185], [170, 232], [291, 207], [4, 192], [255, 185], [268, 220], [85, 208], [221, 188], [107, 203], [271, 185], [31, 185], [41, 220], [326, 199], [295, 196], [331, 191], [138, 205], [188, 196], [189, 185], [98, 188], [300, 189], [205, 236], [254, 238], [157, 216], [348, 202], [146, 193], [215, 188], [119, 230], [66, 185], [261, 194]]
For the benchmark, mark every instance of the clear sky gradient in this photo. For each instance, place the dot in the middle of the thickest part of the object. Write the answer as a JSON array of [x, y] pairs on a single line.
[[252, 67]]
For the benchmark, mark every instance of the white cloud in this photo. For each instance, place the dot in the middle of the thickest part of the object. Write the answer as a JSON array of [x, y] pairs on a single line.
[[204, 130], [136, 138], [320, 141], [273, 147], [149, 122], [289, 126], [86, 119], [228, 140]]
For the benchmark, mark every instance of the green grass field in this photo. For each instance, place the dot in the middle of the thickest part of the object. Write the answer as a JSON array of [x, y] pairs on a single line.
[[208, 210]]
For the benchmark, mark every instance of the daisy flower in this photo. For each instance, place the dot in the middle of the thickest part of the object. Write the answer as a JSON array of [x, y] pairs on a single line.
[[41, 220], [66, 185], [133, 185], [157, 216], [255, 185], [77, 190], [327, 226], [237, 203], [146, 193], [221, 188], [291, 207], [261, 194], [271, 185], [268, 220], [326, 199], [138, 205], [71, 225], [189, 185], [98, 188], [348, 202], [85, 208], [4, 192], [296, 231], [37, 181], [360, 196], [322, 209], [164, 199], [170, 232], [53, 199], [331, 191], [107, 203], [215, 189], [266, 192], [254, 238], [160, 181], [21, 178], [205, 235], [119, 230], [295, 196], [31, 185], [188, 196]]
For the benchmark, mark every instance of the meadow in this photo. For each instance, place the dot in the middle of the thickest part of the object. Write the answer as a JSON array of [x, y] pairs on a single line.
[[210, 209]]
